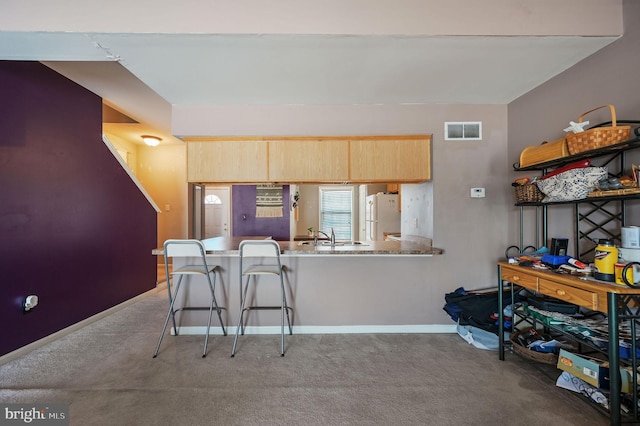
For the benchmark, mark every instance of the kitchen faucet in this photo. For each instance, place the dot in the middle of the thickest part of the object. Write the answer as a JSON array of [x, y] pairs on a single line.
[[331, 238]]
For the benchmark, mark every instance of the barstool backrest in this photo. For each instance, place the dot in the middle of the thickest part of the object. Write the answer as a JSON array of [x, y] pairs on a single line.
[[184, 248], [259, 248]]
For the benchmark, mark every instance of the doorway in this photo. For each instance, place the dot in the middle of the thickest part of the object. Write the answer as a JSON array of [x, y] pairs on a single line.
[[217, 211]]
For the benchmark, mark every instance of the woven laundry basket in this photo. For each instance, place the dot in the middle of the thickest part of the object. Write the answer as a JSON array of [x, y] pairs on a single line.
[[597, 137], [547, 358]]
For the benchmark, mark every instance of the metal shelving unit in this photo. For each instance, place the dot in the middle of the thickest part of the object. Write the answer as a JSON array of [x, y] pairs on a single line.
[[594, 218]]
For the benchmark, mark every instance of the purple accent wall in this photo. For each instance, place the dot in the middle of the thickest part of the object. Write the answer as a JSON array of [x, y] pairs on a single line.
[[74, 229], [244, 203]]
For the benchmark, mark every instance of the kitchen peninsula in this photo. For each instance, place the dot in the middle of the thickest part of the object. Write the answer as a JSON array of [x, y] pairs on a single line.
[[376, 286], [412, 245]]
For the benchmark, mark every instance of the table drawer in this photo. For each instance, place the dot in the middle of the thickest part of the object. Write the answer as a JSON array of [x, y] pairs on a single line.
[[519, 278], [569, 294]]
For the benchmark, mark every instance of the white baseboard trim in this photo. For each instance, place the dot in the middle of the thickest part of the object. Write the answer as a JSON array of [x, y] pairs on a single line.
[[61, 333], [330, 329]]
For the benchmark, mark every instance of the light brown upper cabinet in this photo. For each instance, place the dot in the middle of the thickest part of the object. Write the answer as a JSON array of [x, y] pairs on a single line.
[[309, 160], [391, 159], [232, 160]]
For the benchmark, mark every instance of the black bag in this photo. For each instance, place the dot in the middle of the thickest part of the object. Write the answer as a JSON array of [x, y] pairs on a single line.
[[475, 308]]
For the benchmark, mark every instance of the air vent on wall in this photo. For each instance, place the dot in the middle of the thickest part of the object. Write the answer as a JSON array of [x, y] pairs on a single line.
[[463, 130]]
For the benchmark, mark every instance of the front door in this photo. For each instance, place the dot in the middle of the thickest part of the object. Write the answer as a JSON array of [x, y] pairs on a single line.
[[217, 211]]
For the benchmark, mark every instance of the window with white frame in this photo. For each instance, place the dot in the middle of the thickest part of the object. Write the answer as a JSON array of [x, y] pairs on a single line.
[[336, 211]]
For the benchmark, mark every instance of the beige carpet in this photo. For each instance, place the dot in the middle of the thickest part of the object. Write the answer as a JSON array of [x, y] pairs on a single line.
[[106, 373]]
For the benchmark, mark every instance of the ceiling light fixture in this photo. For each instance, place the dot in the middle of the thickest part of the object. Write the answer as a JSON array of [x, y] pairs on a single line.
[[151, 140]]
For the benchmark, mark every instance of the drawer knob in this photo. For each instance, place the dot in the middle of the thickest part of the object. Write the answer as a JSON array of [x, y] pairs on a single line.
[[516, 278], [561, 292]]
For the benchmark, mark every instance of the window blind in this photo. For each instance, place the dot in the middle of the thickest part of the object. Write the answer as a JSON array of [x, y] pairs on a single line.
[[336, 212]]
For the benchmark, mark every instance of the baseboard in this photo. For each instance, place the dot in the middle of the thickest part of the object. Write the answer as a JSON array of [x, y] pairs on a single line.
[[333, 329], [61, 333]]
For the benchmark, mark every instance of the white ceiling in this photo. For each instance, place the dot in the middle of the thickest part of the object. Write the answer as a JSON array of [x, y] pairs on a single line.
[[144, 75], [315, 69]]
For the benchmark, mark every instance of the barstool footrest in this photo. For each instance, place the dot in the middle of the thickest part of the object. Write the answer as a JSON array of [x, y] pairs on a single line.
[[251, 308], [198, 308]]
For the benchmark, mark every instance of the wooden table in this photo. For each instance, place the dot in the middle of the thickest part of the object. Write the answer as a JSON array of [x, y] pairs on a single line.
[[593, 294]]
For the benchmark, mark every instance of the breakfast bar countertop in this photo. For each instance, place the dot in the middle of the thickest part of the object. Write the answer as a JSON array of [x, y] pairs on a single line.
[[364, 248], [410, 246]]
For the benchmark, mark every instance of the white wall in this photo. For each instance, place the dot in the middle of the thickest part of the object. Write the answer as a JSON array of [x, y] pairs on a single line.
[[129, 149], [417, 209]]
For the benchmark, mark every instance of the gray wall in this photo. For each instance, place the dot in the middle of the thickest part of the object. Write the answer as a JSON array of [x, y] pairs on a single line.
[[608, 77]]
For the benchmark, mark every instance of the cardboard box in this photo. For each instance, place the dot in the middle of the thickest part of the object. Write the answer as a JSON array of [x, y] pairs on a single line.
[[593, 371]]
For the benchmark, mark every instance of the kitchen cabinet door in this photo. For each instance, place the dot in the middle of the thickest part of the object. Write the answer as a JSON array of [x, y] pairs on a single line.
[[391, 159], [309, 160], [242, 161]]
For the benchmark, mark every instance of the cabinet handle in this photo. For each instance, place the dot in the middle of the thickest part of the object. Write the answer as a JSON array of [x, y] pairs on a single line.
[[516, 278], [561, 292]]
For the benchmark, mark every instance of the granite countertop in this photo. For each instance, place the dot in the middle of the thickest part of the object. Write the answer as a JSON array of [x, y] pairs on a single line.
[[229, 246], [367, 247]]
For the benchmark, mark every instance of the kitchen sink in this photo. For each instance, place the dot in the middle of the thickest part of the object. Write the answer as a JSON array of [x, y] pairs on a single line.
[[337, 243]]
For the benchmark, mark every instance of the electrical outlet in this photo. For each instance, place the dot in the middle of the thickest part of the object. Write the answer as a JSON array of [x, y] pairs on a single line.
[[477, 193]]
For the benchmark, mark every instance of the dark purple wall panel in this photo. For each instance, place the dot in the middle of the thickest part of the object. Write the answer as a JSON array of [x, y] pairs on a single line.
[[74, 228], [245, 222]]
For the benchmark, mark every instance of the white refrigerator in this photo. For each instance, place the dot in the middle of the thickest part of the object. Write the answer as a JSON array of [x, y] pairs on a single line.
[[382, 216]]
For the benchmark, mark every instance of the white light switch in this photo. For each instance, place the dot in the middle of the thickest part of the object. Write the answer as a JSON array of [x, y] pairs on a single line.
[[477, 193]]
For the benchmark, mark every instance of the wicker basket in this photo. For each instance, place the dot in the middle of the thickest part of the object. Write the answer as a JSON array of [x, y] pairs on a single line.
[[546, 358], [528, 193], [546, 151], [597, 137]]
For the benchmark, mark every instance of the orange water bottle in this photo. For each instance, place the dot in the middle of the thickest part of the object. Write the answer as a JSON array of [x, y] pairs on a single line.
[[605, 260]]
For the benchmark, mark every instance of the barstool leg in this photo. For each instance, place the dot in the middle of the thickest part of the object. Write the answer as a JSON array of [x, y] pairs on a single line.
[[212, 287], [243, 297], [206, 337], [166, 321], [219, 310], [283, 305], [286, 308], [171, 302], [282, 328]]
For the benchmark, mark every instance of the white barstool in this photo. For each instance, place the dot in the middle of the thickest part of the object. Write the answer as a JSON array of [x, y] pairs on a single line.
[[267, 253], [191, 249]]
